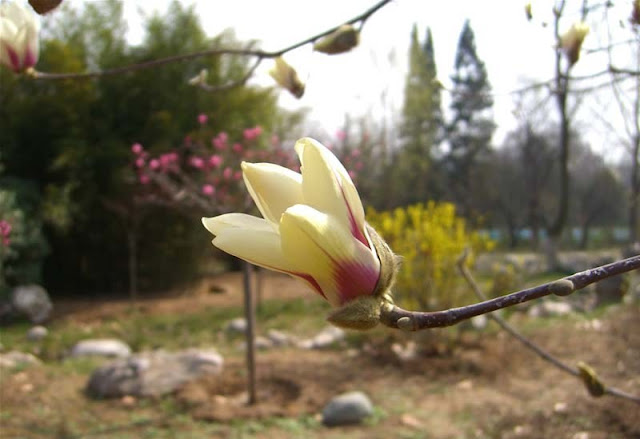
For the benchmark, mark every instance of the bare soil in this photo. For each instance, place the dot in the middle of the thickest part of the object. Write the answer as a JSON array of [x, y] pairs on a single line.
[[487, 386]]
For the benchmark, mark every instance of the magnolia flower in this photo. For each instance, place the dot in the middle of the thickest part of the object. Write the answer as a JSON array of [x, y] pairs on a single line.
[[571, 41], [313, 228], [287, 77], [19, 30]]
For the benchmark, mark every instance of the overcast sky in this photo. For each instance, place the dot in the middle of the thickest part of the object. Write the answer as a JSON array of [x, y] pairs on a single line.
[[515, 51]]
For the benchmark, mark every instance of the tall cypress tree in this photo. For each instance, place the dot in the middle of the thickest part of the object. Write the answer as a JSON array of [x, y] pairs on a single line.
[[421, 122], [471, 127]]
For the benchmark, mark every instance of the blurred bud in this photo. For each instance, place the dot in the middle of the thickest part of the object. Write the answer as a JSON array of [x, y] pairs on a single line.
[[571, 41], [286, 77], [19, 31], [341, 40], [635, 12], [527, 10], [591, 380], [44, 6], [200, 78]]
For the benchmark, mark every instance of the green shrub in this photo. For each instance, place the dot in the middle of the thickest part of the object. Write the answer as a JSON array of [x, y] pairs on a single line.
[[430, 238], [22, 257]]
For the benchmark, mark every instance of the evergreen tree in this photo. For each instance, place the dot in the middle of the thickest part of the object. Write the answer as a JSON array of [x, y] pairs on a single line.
[[421, 123], [471, 126]]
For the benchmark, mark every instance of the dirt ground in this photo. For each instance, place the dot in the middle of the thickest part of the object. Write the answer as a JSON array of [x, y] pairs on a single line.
[[488, 386]]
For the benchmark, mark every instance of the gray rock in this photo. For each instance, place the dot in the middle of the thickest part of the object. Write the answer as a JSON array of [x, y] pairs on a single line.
[[33, 302], [237, 325], [263, 343], [348, 408], [324, 339], [103, 347], [279, 338], [14, 359], [37, 333], [153, 373]]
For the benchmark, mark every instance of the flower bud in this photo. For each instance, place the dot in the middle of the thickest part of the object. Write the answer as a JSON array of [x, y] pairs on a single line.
[[571, 41], [527, 10], [287, 77], [341, 40], [635, 12], [44, 6], [19, 29]]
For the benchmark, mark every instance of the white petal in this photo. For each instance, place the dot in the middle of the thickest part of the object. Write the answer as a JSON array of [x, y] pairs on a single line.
[[219, 224], [259, 247], [273, 188], [327, 186], [316, 243]]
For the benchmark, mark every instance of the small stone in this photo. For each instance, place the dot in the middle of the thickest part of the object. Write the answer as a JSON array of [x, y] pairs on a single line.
[[128, 401], [347, 408], [14, 359], [327, 337], [411, 421], [37, 333], [279, 338], [26, 388], [263, 343], [237, 325], [407, 352], [32, 301], [560, 407], [522, 430], [580, 435], [465, 385], [104, 347]]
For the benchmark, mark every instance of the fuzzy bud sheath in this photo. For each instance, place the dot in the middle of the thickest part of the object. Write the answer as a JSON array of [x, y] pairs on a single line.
[[363, 312]]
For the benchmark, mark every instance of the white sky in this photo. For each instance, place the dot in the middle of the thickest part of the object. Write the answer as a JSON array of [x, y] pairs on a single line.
[[514, 50]]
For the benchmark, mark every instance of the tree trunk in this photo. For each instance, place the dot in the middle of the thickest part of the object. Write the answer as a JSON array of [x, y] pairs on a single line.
[[132, 246], [250, 316]]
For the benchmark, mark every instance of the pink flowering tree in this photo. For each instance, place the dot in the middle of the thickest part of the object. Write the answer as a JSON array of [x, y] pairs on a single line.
[[203, 173]]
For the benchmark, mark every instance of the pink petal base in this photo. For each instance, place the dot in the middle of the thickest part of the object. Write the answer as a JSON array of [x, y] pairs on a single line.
[[354, 280]]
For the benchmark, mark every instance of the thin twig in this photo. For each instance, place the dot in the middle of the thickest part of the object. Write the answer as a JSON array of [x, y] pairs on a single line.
[[260, 54], [542, 353], [396, 317]]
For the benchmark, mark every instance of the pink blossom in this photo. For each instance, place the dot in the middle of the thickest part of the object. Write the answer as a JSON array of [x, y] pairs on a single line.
[[341, 135], [237, 175], [154, 164], [252, 133], [144, 179], [352, 175], [275, 140], [167, 159], [215, 160], [227, 173], [202, 118], [140, 162], [220, 141], [5, 231], [237, 148], [208, 189], [359, 166], [355, 153], [136, 148], [197, 162]]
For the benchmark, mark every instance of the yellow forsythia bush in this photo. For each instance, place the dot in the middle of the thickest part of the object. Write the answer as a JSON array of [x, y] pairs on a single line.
[[430, 238]]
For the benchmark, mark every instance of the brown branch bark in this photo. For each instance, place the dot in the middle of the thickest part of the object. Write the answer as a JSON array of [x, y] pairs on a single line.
[[260, 54], [537, 349], [396, 317]]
